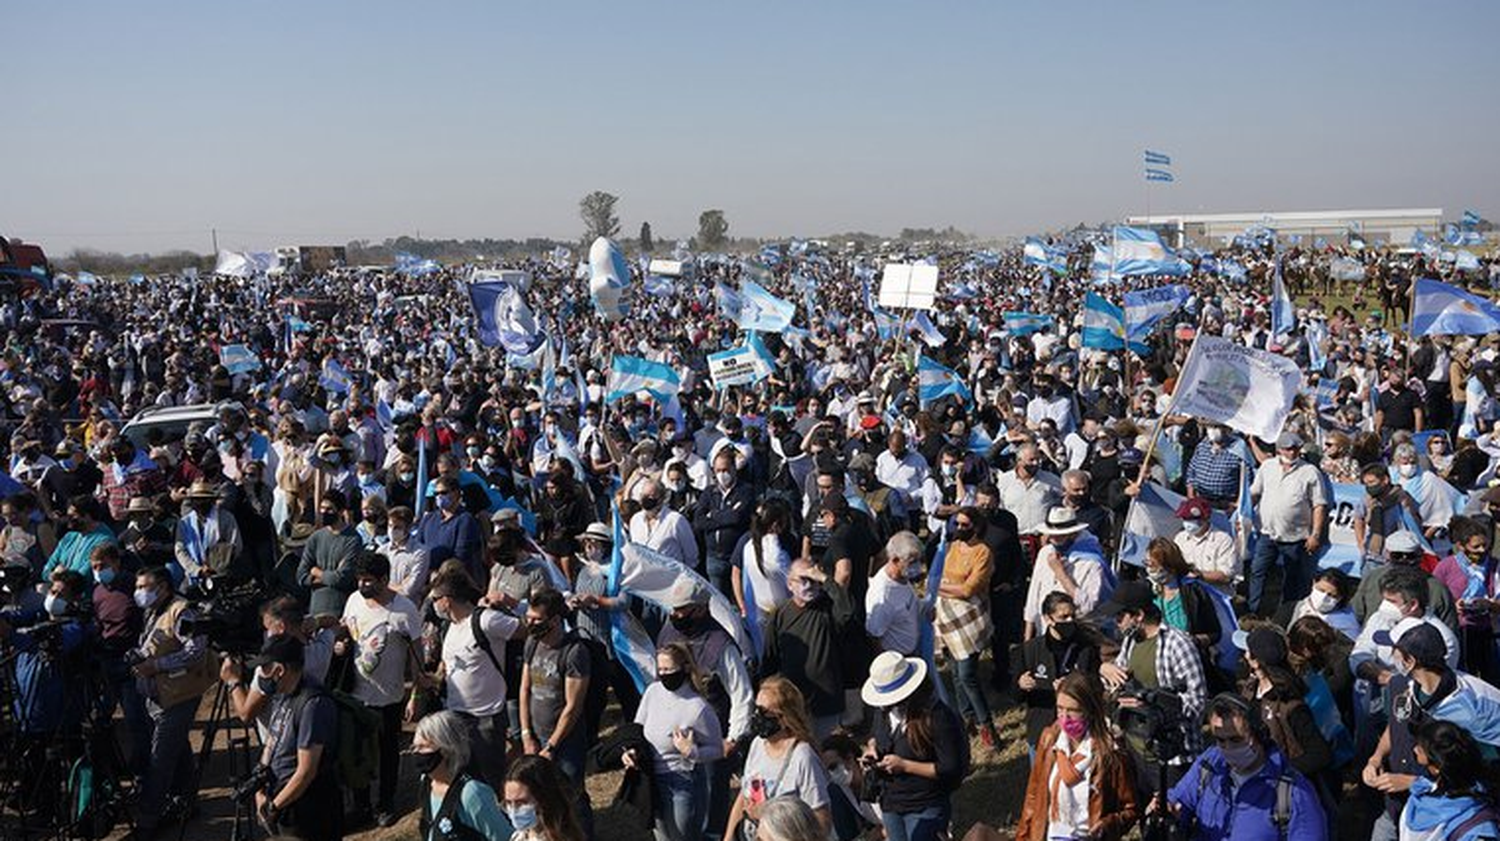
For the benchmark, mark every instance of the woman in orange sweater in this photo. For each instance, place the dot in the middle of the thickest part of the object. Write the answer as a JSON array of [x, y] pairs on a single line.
[[963, 616], [1081, 785]]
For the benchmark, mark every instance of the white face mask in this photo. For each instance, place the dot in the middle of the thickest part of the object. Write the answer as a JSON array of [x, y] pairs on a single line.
[[1192, 527], [1324, 602], [1407, 470], [1389, 610], [1215, 434]]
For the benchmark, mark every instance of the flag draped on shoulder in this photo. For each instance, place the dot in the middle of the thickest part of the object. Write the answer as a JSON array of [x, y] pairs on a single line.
[[1440, 309], [935, 382], [629, 374], [1243, 388]]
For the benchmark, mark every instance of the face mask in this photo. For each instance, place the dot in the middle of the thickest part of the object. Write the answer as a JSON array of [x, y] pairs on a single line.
[[915, 573], [949, 470], [446, 502], [1240, 758], [426, 761], [1191, 527], [369, 591], [964, 533], [264, 683], [840, 776], [473, 452], [407, 478], [1215, 435], [144, 599], [1076, 728], [539, 628], [672, 681], [521, 817], [763, 724], [651, 503], [1402, 667], [1065, 630], [105, 576], [55, 605], [1288, 459], [1324, 602], [1375, 490], [1159, 577], [1389, 609], [675, 485], [1407, 470], [725, 477]]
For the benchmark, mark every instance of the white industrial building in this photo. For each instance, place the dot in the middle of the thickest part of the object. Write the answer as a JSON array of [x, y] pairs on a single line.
[[1375, 226]]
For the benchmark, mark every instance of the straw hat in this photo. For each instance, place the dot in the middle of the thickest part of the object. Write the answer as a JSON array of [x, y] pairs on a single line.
[[893, 678]]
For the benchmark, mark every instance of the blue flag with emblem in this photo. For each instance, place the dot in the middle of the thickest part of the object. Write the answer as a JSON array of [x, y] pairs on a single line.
[[1440, 309], [935, 382], [503, 318]]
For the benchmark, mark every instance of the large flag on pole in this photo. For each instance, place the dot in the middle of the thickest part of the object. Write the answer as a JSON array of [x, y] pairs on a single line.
[[1145, 307], [1283, 316], [762, 311], [630, 374], [935, 382], [1243, 388], [1442, 310]]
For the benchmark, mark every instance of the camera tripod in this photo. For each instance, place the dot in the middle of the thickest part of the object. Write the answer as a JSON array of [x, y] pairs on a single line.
[[241, 756]]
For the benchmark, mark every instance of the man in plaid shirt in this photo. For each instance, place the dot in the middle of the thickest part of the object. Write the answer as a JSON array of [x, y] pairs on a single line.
[[1154, 655]]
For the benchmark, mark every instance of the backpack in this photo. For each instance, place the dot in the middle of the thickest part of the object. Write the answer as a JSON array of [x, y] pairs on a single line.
[[482, 640], [1281, 813], [596, 696], [357, 754]]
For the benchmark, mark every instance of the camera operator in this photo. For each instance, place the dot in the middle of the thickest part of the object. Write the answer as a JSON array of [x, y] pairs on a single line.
[[172, 671], [303, 799], [117, 626], [281, 616], [1243, 789], [1154, 656]]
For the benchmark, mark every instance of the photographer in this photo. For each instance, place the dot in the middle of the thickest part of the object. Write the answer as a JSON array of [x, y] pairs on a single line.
[[917, 755], [281, 616], [1242, 788], [49, 691], [303, 799], [1154, 656], [172, 671]]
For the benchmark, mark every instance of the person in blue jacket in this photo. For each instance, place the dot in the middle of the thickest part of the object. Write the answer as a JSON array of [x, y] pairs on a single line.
[[1242, 788], [1449, 803]]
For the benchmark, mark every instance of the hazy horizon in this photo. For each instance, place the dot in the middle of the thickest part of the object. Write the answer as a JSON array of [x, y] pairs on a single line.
[[139, 127]]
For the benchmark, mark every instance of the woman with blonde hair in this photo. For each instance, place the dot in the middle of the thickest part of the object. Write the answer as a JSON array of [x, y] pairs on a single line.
[[1081, 785], [685, 740], [783, 760]]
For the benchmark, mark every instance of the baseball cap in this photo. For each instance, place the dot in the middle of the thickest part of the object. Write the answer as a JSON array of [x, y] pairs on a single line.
[[1417, 639]]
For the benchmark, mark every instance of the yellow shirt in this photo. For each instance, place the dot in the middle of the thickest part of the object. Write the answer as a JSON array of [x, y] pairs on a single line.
[[968, 567]]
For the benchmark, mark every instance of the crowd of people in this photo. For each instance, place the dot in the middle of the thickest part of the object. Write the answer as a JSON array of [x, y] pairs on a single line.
[[396, 554]]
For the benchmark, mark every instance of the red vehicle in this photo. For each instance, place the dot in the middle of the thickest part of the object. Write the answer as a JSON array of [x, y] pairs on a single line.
[[23, 268]]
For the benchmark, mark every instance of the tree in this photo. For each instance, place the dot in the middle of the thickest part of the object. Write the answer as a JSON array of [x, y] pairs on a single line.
[[713, 230], [598, 212], [647, 243]]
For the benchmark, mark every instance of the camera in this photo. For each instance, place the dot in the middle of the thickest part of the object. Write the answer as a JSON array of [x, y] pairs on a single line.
[[1156, 719], [257, 781], [229, 616], [872, 787]]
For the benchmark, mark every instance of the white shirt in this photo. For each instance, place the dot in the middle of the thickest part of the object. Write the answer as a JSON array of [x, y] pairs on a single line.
[[1072, 801], [1212, 551], [475, 686], [670, 534], [1029, 500], [1367, 650], [1087, 574], [892, 614], [382, 635], [905, 474]]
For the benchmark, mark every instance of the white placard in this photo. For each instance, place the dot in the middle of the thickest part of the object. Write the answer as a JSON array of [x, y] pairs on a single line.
[[908, 287]]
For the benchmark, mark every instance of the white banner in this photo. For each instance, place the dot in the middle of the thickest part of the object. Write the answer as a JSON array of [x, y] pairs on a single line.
[[736, 366], [1245, 389]]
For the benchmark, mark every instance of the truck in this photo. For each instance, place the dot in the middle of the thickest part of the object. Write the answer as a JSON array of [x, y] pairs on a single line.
[[301, 260], [24, 269]]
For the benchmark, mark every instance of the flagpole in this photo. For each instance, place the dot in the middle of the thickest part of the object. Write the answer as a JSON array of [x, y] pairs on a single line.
[[1161, 421]]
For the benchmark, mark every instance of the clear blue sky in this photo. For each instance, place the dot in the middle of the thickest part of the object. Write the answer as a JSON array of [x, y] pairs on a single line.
[[138, 126]]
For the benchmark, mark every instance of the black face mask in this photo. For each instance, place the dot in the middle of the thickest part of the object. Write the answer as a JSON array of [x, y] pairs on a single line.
[[370, 591], [764, 724], [426, 761], [685, 624], [651, 503], [672, 681], [1065, 630], [964, 533]]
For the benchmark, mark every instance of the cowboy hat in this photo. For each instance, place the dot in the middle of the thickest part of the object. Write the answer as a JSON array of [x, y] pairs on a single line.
[[201, 489], [893, 678]]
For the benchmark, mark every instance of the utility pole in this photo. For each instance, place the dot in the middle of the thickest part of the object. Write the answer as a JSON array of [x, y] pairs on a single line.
[[215, 232]]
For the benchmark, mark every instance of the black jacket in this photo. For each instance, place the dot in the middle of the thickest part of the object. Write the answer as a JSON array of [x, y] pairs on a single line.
[[637, 788], [720, 518], [1046, 667]]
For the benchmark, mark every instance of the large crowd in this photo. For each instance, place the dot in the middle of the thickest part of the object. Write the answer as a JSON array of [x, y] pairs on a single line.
[[393, 556]]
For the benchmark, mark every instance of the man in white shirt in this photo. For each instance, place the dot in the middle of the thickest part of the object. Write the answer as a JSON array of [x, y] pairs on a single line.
[[1028, 491], [901, 469], [1403, 591], [381, 625], [1292, 503], [893, 613], [1069, 563], [474, 669], [658, 527], [1208, 551]]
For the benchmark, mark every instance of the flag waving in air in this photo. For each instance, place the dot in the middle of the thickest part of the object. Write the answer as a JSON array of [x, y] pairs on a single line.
[[935, 382]]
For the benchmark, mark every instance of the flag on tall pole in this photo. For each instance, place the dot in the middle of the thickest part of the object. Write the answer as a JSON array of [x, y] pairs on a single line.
[[1283, 316]]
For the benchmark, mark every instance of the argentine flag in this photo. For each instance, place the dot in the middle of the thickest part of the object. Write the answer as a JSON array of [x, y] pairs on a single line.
[[729, 301], [335, 377], [1103, 323], [1038, 253], [1025, 323], [1157, 159], [630, 374], [1145, 307], [1102, 267], [762, 311], [238, 359], [935, 382], [886, 325], [1443, 310], [1283, 316], [927, 330], [1139, 251]]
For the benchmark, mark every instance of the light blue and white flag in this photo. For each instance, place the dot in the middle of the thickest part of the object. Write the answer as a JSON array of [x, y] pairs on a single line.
[[503, 318], [86, 279], [1316, 334], [549, 372], [1145, 308], [1157, 159], [1471, 219], [887, 326], [1025, 323], [1103, 323], [1246, 389], [962, 291], [980, 442], [1440, 309], [238, 359], [334, 377], [1102, 266], [926, 631], [762, 311], [1283, 316], [1233, 271], [931, 336], [1342, 551], [1140, 251], [729, 301], [1455, 236], [935, 382], [658, 286], [630, 374], [1466, 261], [1037, 253], [1159, 175]]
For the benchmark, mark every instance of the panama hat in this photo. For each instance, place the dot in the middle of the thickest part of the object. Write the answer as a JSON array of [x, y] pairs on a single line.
[[893, 678], [1062, 520]]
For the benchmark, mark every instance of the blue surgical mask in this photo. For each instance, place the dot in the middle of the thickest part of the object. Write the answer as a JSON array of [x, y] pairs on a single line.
[[521, 817], [105, 576]]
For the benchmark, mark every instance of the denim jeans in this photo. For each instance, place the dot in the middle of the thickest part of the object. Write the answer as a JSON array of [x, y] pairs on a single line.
[[170, 766], [682, 804], [718, 570], [926, 825], [1296, 576], [972, 704], [1385, 829]]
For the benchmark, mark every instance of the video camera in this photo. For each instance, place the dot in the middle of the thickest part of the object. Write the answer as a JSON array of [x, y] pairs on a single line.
[[1155, 720], [228, 615]]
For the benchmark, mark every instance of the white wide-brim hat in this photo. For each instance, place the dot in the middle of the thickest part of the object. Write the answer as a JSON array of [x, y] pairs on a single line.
[[893, 678]]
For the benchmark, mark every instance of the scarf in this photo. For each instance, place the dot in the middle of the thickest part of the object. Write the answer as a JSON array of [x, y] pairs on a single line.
[[1072, 769]]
